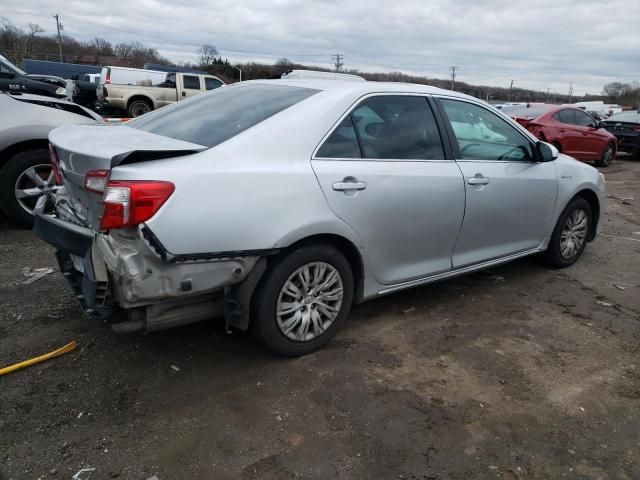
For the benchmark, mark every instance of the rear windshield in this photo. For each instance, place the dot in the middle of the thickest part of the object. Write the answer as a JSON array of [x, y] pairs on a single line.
[[214, 117], [631, 117]]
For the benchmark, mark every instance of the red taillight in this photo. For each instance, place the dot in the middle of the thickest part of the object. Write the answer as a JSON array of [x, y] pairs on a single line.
[[56, 167], [96, 180], [131, 202], [107, 78]]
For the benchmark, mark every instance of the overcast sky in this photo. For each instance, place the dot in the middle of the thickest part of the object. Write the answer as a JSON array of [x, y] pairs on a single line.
[[538, 44]]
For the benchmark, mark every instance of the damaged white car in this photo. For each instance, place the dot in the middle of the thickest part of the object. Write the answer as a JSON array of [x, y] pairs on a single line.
[[277, 204]]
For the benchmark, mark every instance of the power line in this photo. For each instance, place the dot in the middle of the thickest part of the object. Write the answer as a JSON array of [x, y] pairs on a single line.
[[59, 27], [27, 13], [570, 91], [453, 77], [337, 58]]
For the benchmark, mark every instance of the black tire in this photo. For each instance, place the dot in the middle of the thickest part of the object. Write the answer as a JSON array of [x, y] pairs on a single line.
[[139, 107], [9, 175], [264, 325], [608, 154], [553, 256]]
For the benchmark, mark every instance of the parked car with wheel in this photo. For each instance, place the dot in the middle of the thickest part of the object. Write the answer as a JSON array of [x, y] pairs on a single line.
[[25, 166], [571, 130], [626, 127], [138, 91], [280, 203]]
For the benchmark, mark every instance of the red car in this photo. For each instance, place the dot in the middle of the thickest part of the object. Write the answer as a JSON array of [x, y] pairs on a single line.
[[573, 131]]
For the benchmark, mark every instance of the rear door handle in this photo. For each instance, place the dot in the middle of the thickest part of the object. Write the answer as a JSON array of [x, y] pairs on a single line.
[[478, 179], [346, 185]]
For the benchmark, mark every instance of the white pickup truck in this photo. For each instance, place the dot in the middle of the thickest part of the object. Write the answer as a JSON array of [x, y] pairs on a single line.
[[139, 91]]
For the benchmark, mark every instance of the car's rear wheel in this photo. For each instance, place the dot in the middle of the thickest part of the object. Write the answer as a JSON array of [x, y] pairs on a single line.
[[607, 156], [23, 180], [570, 235], [139, 107], [302, 301]]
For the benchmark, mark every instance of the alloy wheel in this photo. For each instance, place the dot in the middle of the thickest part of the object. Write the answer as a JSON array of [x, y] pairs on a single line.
[[309, 301], [608, 155], [33, 183], [574, 234]]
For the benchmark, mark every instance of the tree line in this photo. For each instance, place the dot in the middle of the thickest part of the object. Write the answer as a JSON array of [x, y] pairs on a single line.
[[18, 43]]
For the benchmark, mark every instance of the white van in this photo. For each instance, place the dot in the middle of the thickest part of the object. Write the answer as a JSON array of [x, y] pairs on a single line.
[[312, 74]]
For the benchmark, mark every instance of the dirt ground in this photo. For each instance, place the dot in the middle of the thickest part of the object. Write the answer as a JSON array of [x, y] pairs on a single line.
[[517, 373]]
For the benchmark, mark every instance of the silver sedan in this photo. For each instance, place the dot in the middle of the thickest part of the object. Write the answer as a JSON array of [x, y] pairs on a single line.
[[279, 204]]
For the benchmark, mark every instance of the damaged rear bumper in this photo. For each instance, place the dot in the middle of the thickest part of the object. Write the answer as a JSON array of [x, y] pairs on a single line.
[[121, 269], [73, 251]]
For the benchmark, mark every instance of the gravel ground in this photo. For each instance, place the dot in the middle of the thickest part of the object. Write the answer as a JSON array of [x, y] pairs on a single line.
[[518, 373]]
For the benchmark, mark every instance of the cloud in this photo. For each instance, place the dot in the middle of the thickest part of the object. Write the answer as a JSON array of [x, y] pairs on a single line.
[[547, 43]]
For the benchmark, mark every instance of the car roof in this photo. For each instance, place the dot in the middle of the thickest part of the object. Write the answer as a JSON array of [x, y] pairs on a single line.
[[347, 86]]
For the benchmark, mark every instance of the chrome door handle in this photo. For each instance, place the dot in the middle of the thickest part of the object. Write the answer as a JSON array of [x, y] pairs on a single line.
[[349, 185], [478, 179]]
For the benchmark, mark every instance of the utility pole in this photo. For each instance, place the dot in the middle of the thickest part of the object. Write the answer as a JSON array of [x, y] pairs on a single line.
[[510, 90], [547, 94], [59, 27], [570, 91], [453, 77], [337, 58]]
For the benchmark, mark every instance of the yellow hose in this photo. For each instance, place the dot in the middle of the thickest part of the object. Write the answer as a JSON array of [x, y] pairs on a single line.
[[27, 363]]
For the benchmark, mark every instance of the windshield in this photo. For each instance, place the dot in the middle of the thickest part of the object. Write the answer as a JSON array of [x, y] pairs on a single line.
[[212, 118], [8, 67]]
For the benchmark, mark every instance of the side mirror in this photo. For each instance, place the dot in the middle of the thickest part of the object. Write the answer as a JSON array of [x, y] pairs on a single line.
[[546, 152], [600, 124]]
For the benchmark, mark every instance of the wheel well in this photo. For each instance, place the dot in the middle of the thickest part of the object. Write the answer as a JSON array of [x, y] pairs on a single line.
[[20, 147], [594, 203], [140, 97], [348, 249]]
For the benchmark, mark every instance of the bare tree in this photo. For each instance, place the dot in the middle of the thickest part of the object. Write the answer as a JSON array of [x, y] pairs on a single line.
[[13, 41], [34, 29], [207, 54], [283, 62], [101, 46]]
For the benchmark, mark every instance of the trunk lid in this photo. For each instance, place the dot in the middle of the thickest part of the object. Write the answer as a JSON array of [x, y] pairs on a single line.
[[81, 148]]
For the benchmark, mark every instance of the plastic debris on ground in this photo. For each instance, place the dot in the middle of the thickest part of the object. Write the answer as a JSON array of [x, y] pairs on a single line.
[[35, 274]]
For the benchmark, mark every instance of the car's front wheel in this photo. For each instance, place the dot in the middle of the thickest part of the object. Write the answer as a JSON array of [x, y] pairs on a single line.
[[571, 234], [302, 301]]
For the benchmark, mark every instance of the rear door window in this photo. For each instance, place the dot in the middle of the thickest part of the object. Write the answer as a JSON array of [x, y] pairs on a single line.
[[191, 82], [221, 114], [387, 127], [342, 143], [565, 116], [397, 127]]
